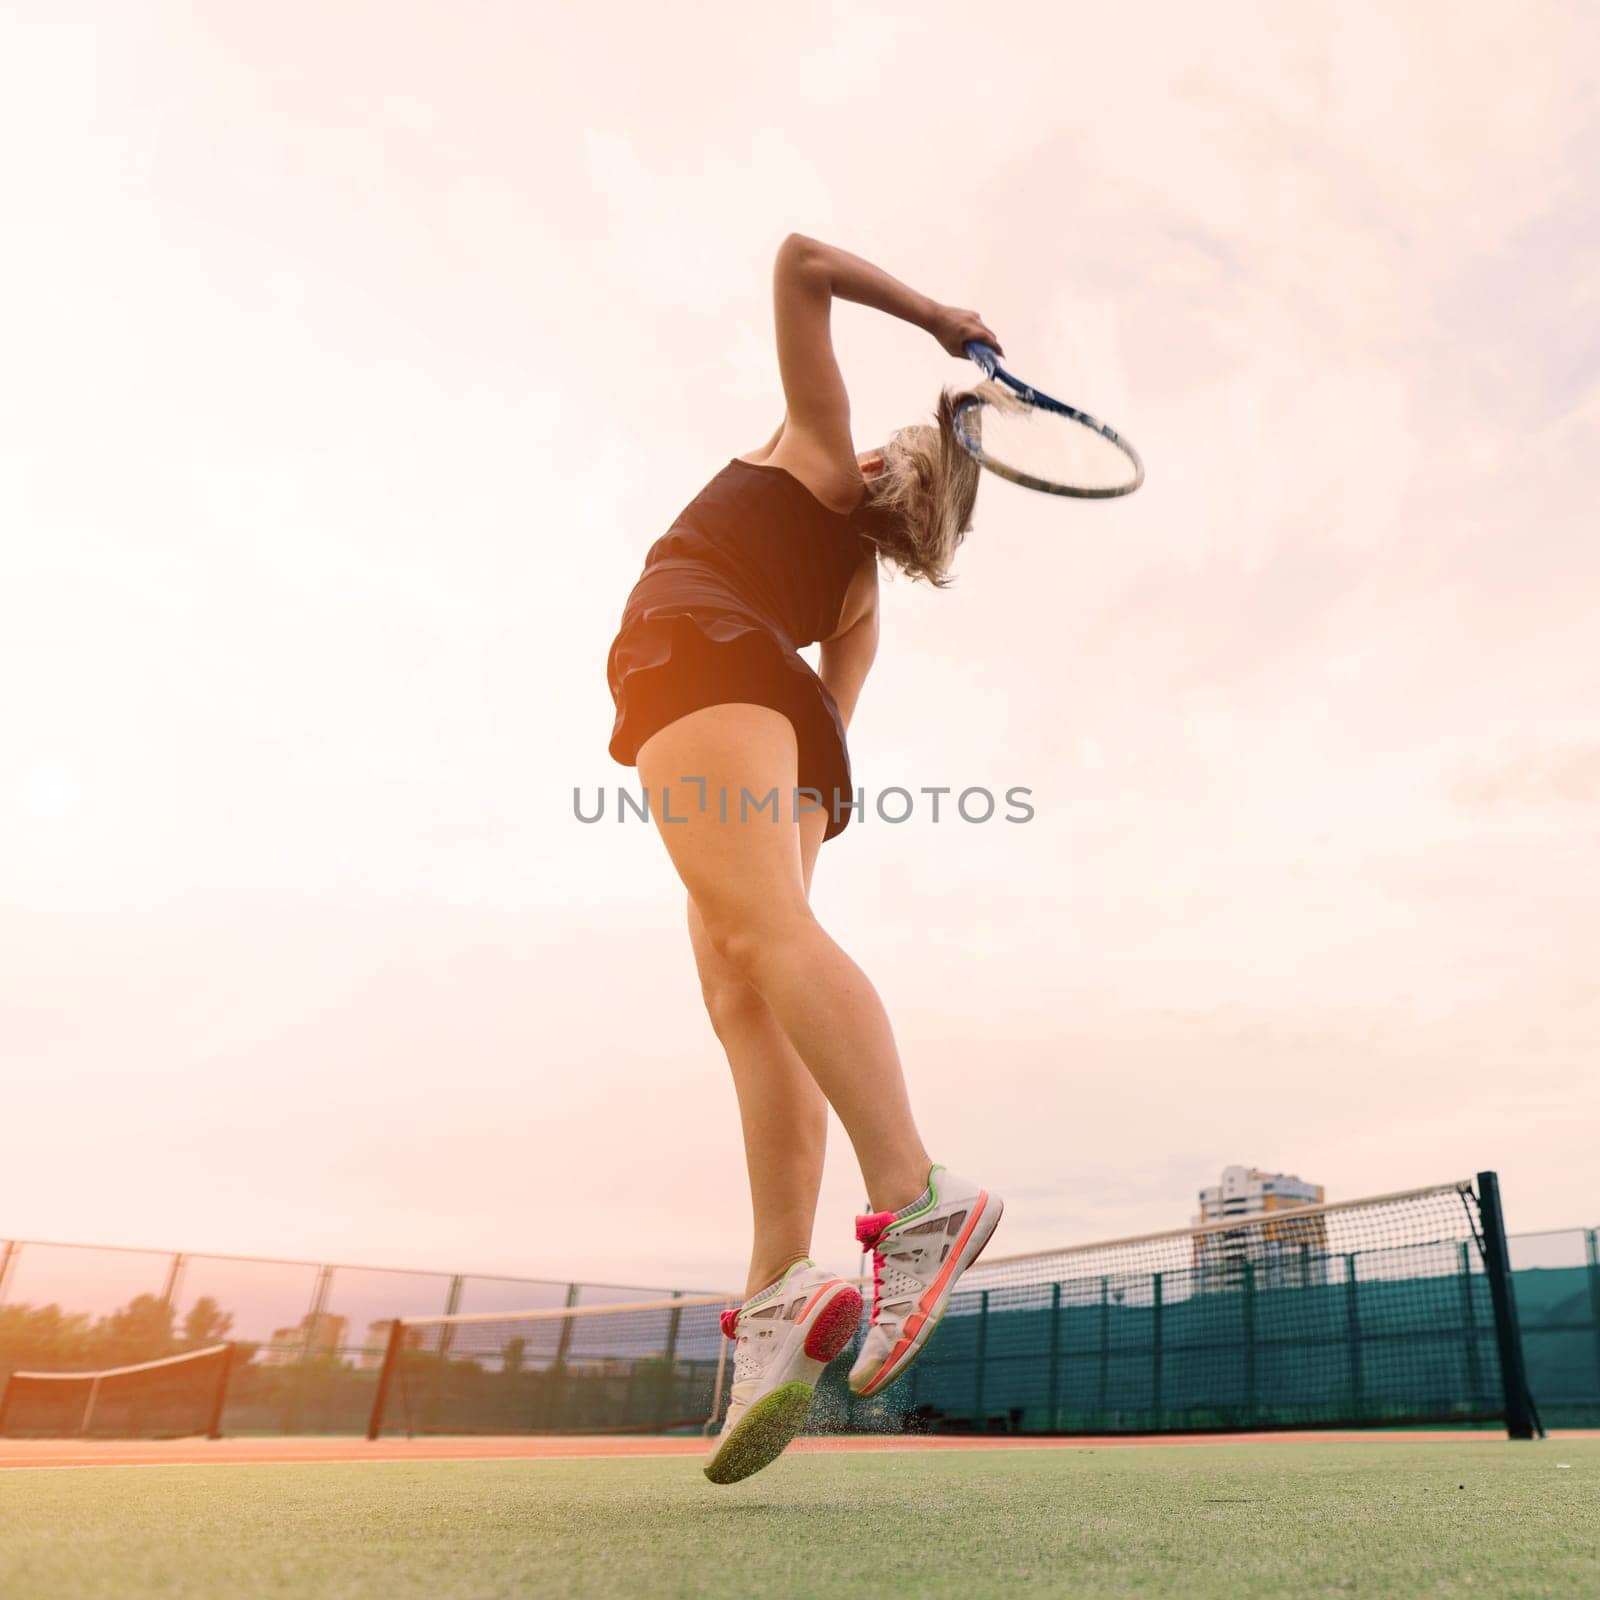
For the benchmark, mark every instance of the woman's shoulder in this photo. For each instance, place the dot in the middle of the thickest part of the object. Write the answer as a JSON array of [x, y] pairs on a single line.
[[833, 480]]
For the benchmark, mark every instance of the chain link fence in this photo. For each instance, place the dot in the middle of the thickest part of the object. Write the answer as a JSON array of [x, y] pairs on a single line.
[[311, 1335]]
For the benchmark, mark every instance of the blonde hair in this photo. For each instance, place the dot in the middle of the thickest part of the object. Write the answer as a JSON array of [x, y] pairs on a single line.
[[920, 506]]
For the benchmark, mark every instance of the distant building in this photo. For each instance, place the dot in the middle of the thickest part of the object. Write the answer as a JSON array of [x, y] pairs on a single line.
[[289, 1345], [377, 1345], [1282, 1252], [1248, 1191]]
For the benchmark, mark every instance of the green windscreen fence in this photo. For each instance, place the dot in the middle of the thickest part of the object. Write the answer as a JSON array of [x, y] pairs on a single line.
[[1377, 1312], [1367, 1313], [1557, 1277], [1367, 1337], [1388, 1311]]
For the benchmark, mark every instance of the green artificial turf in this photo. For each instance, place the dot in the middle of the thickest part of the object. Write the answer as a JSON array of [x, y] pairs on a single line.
[[1387, 1518]]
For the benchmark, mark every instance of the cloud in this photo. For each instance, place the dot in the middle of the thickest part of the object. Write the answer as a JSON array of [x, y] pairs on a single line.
[[1561, 776]]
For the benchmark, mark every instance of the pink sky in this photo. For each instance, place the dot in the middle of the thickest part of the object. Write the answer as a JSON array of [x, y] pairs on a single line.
[[355, 354]]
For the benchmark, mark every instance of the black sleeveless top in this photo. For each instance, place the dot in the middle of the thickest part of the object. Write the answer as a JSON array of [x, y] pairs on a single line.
[[751, 570]]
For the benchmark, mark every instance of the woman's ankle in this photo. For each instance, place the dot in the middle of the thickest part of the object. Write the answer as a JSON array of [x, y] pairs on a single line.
[[903, 1186], [766, 1270]]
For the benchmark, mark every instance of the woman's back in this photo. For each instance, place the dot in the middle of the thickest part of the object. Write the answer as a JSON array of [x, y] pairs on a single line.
[[785, 554]]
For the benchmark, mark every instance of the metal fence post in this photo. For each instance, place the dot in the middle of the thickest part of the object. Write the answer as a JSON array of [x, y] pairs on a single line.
[[169, 1291], [1591, 1237], [1054, 1380], [983, 1352], [566, 1327], [556, 1377], [1522, 1417], [669, 1369], [319, 1304], [1469, 1321], [295, 1398], [1249, 1319], [1352, 1331], [1105, 1347], [8, 1258], [1155, 1346], [452, 1303]]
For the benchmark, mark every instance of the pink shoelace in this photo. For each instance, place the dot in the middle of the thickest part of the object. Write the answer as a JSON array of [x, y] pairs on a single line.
[[869, 1230]]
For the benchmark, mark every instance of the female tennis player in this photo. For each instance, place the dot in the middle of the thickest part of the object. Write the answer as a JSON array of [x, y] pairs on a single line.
[[741, 749]]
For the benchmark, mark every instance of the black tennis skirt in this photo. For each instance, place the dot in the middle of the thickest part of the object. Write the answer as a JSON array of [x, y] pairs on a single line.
[[687, 641]]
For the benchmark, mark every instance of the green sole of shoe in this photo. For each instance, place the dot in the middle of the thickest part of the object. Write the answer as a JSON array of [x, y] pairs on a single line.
[[762, 1434]]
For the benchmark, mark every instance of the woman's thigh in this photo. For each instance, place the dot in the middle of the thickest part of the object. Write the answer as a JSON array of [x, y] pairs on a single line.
[[724, 987], [721, 783]]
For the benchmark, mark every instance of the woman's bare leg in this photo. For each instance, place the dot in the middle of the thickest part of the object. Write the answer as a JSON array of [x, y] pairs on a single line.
[[782, 1111], [747, 881]]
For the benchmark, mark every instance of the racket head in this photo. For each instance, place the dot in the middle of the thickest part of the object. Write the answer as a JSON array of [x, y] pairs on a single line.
[[1046, 445]]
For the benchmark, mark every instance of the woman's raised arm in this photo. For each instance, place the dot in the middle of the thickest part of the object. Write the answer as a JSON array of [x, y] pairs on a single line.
[[807, 277]]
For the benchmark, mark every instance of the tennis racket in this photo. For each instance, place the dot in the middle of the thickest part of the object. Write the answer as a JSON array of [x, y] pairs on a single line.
[[1044, 444]]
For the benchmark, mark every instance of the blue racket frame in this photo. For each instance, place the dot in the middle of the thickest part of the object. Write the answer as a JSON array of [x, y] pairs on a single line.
[[988, 362]]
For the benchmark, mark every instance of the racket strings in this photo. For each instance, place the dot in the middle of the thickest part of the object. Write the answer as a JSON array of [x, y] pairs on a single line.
[[1048, 449]]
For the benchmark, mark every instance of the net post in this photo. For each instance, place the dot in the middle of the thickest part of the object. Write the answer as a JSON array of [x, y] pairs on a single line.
[[1522, 1419], [391, 1358], [225, 1371], [88, 1406], [5, 1403]]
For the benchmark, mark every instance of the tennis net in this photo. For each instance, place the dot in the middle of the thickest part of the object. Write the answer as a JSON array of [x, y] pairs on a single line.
[[1387, 1311], [1379, 1312], [167, 1399], [655, 1366]]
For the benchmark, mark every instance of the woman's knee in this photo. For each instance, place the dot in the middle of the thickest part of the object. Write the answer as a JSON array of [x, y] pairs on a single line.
[[735, 1008], [748, 938]]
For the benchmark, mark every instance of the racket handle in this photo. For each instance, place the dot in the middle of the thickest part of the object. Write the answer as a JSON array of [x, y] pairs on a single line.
[[983, 354]]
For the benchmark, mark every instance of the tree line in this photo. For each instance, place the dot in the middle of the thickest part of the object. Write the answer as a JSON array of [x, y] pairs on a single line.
[[49, 1339]]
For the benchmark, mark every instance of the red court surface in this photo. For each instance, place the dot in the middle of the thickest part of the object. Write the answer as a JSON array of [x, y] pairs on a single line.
[[21, 1453]]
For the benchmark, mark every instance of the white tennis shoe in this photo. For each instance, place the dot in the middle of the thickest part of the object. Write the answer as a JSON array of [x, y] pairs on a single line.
[[918, 1254], [784, 1336]]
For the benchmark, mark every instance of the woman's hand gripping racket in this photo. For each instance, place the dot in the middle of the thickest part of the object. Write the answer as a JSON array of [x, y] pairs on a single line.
[[1044, 443]]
